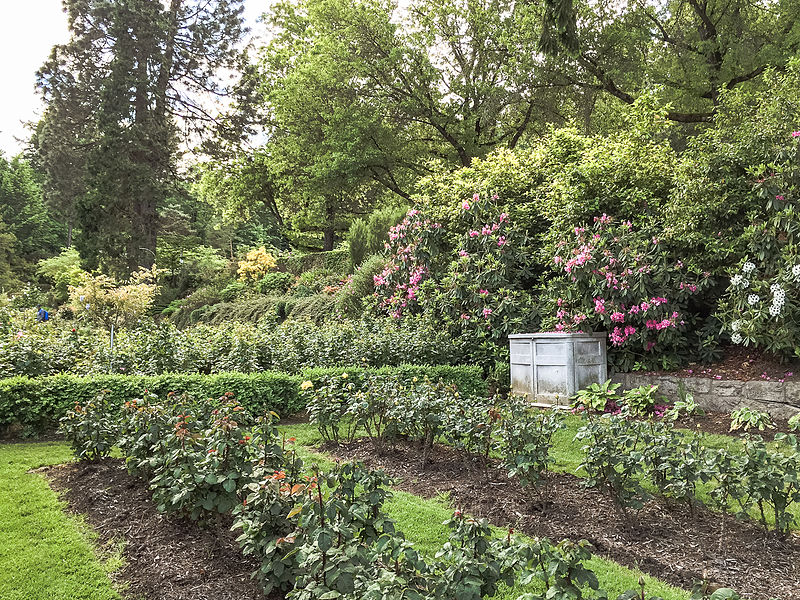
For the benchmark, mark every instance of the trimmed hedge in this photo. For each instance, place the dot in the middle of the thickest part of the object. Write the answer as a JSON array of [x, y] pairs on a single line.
[[34, 405]]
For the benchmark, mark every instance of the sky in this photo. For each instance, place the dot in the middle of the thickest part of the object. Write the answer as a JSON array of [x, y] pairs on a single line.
[[28, 31]]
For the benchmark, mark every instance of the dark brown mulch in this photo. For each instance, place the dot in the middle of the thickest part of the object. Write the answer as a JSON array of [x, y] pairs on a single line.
[[717, 422], [663, 541], [165, 558], [744, 364]]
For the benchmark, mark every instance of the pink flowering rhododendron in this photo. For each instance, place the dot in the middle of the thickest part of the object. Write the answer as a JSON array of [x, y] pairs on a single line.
[[471, 276], [624, 282]]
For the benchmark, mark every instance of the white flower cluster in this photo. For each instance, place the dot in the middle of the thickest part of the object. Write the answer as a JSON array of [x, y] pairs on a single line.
[[737, 280], [736, 325], [796, 271], [778, 299], [753, 299], [736, 338], [748, 268]]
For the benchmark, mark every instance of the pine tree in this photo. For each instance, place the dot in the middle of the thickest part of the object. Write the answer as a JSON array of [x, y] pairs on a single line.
[[135, 76]]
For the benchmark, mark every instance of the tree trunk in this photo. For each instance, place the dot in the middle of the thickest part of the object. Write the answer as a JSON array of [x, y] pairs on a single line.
[[329, 232]]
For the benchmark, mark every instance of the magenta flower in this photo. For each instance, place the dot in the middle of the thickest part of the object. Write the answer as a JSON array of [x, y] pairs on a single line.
[[617, 317], [483, 292], [463, 253], [501, 241], [487, 312], [779, 197], [465, 205], [599, 306], [795, 134]]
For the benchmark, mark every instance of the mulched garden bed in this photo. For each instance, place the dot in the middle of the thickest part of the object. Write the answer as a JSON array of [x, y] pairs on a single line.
[[720, 423], [663, 541], [744, 364], [165, 558]]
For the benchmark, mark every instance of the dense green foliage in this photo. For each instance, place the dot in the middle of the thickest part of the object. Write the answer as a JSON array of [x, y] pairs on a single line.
[[151, 349], [318, 534], [32, 405], [552, 123]]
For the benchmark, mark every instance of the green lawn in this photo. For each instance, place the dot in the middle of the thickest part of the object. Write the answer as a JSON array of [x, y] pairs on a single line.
[[44, 553]]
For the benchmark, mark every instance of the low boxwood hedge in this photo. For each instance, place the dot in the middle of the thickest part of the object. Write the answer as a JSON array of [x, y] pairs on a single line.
[[34, 405]]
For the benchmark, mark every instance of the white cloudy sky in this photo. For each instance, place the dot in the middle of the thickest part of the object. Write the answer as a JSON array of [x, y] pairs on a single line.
[[28, 30]]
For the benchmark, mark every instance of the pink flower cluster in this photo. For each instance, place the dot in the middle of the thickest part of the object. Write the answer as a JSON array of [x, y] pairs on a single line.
[[659, 325], [618, 335]]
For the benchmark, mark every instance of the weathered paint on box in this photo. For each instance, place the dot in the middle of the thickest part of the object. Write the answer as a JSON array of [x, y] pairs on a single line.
[[550, 367]]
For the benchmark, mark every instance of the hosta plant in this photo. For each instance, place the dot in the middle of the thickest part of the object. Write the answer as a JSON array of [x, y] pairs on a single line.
[[598, 397], [746, 418]]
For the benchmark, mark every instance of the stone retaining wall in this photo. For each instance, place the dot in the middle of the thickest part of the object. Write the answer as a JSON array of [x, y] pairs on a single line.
[[781, 400]]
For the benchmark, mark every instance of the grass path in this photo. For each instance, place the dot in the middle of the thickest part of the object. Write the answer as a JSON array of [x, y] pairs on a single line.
[[45, 554]]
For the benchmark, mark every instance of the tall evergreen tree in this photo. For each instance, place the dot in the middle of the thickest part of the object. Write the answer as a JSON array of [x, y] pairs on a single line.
[[134, 77]]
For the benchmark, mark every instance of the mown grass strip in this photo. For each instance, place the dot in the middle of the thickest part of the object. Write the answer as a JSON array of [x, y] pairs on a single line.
[[421, 522], [45, 554]]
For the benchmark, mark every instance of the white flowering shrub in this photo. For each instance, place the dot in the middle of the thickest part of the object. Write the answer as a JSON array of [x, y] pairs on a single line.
[[761, 307]]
